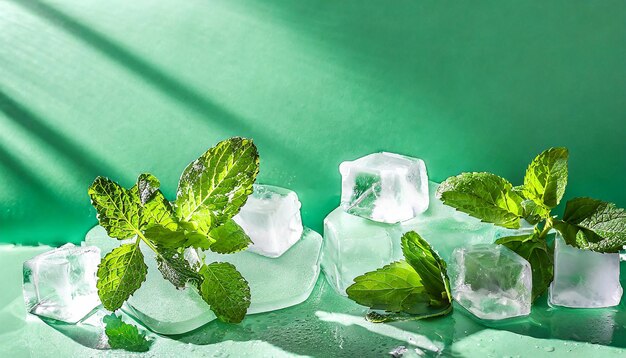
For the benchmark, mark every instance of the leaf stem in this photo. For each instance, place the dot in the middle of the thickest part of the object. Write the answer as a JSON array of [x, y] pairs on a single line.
[[141, 237], [546, 228]]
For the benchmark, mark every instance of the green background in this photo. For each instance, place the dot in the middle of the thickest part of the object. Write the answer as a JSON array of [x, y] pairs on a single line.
[[117, 88]]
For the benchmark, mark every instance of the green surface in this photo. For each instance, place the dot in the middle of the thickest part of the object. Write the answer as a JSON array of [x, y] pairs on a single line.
[[117, 88], [326, 325]]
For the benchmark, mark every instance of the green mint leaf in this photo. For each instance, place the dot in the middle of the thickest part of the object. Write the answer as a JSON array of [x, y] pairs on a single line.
[[125, 336], [226, 291], [119, 210], [213, 187], [395, 288], [537, 253], [229, 238], [165, 237], [429, 266], [532, 212], [120, 273], [157, 210], [176, 269], [485, 196], [546, 177], [593, 225], [147, 184]]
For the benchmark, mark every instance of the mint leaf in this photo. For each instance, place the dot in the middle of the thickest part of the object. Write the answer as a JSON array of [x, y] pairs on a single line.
[[120, 273], [147, 185], [229, 238], [537, 253], [593, 225], [226, 291], [125, 336], [418, 286], [532, 212], [395, 287], [430, 267], [485, 196], [157, 210], [213, 187], [546, 177], [165, 237], [176, 269], [118, 209]]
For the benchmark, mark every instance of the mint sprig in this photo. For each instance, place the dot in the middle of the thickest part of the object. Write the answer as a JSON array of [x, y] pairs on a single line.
[[211, 190], [415, 288], [588, 223]]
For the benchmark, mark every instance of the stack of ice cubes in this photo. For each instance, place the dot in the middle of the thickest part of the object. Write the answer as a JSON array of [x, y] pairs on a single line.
[[384, 195], [281, 267]]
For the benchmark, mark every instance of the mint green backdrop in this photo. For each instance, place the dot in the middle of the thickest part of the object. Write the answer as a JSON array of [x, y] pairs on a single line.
[[117, 88]]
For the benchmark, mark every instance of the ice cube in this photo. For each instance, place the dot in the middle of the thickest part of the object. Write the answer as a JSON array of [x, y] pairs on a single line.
[[354, 245], [271, 217], [384, 187], [61, 283], [584, 278], [179, 311], [491, 281], [277, 283]]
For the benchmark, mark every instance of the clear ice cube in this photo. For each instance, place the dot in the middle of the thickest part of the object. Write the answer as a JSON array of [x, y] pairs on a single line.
[[271, 217], [384, 187], [354, 245], [277, 283], [584, 278], [491, 281], [61, 283], [180, 311]]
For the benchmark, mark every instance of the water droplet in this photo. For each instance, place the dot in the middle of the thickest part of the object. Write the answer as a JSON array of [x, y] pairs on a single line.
[[549, 349]]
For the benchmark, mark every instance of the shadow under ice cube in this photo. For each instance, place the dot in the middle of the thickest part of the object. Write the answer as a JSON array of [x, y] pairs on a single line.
[[584, 278], [61, 283], [491, 281], [384, 187]]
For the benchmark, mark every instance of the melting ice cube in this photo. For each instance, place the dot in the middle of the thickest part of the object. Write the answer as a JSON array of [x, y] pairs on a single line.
[[275, 283], [384, 187], [584, 278], [61, 283], [491, 281], [271, 217]]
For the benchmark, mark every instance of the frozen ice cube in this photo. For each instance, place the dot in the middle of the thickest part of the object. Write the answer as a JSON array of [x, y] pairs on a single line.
[[354, 245], [584, 278], [271, 217], [61, 283], [384, 187], [277, 283], [179, 311], [491, 281]]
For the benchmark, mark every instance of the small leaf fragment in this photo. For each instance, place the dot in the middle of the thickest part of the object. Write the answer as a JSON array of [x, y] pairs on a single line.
[[125, 336]]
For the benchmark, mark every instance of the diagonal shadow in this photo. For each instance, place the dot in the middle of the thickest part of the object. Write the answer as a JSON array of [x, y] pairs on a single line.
[[33, 182], [167, 84], [22, 116]]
